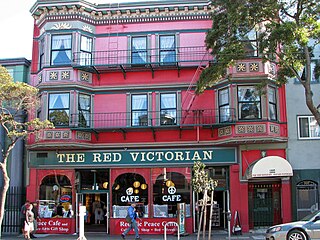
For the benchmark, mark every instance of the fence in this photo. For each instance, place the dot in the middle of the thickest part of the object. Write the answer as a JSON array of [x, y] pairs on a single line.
[[11, 221]]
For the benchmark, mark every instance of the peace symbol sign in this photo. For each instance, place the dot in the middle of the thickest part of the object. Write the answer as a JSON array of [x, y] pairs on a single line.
[[172, 190]]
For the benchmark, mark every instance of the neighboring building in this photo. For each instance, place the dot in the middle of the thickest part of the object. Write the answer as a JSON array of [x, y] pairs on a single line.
[[117, 80], [19, 69], [303, 145]]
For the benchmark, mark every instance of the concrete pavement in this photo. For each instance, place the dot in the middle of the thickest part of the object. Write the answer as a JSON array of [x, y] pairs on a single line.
[[217, 235]]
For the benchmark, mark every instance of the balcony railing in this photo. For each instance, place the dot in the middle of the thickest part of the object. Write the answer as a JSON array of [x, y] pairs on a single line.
[[182, 56], [117, 120]]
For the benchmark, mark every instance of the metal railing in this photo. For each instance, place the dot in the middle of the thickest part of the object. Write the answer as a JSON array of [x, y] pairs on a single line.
[[143, 119], [183, 56]]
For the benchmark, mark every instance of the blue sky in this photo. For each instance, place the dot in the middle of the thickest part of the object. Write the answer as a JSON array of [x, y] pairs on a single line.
[[16, 24]]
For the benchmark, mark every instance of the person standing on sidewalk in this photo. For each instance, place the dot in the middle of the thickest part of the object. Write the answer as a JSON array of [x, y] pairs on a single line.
[[132, 219]]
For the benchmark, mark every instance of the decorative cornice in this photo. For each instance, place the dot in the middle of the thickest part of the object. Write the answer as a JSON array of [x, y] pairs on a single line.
[[112, 14]]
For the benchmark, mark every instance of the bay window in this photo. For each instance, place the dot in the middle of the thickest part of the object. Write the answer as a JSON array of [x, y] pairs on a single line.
[[59, 107], [272, 103], [86, 51], [249, 104], [224, 107], [61, 49], [84, 110]]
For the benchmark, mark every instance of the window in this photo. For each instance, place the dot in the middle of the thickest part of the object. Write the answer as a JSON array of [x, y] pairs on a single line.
[[129, 187], [272, 103], [61, 50], [52, 189], [250, 43], [41, 51], [224, 108], [93, 179], [86, 51], [308, 127], [172, 186], [139, 110], [168, 108], [59, 109], [167, 49], [249, 103], [139, 50], [84, 110]]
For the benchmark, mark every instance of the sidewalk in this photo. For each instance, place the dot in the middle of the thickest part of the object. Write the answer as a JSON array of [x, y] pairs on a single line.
[[220, 235]]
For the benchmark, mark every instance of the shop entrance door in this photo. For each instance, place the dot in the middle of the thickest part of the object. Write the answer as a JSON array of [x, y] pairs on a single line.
[[97, 206], [264, 204], [218, 218]]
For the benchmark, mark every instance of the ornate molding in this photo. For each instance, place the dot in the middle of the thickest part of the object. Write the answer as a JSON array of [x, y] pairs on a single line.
[[99, 14]]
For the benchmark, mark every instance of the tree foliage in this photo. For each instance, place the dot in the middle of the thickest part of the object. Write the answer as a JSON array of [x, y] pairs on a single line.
[[200, 180], [288, 32], [16, 100]]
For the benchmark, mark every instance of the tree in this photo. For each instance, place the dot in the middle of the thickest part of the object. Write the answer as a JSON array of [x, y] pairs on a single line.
[[287, 33], [201, 183], [16, 99]]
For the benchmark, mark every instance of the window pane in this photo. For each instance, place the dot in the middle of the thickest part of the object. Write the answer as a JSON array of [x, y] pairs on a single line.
[[304, 127], [86, 44], [167, 49], [139, 108], [223, 97], [249, 103], [139, 50], [59, 109], [61, 49], [170, 188], [168, 108], [314, 128], [249, 111], [84, 110]]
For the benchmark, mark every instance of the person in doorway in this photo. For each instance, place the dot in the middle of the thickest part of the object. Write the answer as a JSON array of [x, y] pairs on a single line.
[[132, 219]]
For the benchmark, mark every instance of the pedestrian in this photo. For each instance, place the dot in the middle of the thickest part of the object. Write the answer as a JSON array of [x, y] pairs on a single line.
[[132, 219], [23, 214], [28, 223], [35, 224]]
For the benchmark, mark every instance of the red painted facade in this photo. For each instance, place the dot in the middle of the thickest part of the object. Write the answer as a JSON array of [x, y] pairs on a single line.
[[122, 121]]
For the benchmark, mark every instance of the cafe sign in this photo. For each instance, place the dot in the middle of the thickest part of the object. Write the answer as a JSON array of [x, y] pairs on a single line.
[[135, 157]]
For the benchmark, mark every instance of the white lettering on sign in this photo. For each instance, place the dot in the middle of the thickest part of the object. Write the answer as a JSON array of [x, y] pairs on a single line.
[[129, 199], [171, 198], [71, 157], [171, 156]]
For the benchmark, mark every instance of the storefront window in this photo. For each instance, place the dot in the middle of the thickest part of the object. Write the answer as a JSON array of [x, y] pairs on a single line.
[[55, 193], [93, 179], [170, 188], [127, 188]]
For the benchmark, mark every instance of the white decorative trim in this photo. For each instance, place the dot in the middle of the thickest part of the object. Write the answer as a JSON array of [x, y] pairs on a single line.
[[87, 28], [58, 26]]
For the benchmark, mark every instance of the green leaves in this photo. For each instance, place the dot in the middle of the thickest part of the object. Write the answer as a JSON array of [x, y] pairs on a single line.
[[201, 180], [16, 101]]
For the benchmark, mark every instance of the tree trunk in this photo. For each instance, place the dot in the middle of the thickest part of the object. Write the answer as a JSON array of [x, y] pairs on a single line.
[[3, 193]]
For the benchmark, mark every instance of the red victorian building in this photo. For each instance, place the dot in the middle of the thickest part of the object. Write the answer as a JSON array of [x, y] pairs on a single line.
[[118, 80]]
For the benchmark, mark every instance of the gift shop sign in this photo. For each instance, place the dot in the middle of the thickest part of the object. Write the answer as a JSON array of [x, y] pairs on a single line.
[[54, 225]]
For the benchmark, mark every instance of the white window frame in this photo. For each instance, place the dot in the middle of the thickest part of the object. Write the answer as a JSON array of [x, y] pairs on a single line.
[[313, 131]]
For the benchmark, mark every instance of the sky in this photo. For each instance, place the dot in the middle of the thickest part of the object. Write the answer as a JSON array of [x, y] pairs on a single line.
[[16, 24]]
